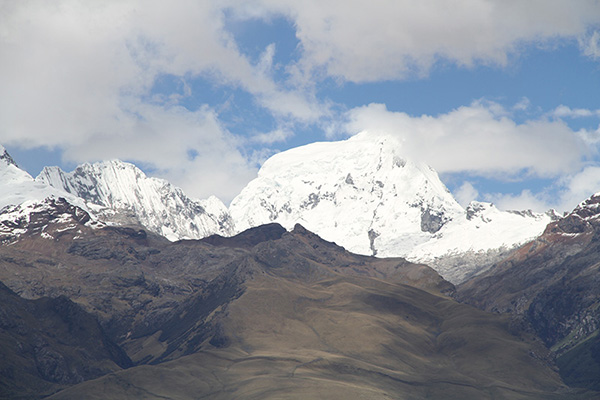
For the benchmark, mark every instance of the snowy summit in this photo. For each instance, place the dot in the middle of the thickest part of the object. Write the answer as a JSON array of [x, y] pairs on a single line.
[[364, 195]]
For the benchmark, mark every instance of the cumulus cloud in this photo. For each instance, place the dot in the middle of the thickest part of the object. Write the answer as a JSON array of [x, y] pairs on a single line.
[[563, 196], [590, 45], [393, 39], [190, 149], [277, 135], [481, 139], [465, 194], [526, 200], [579, 186], [77, 76], [563, 111]]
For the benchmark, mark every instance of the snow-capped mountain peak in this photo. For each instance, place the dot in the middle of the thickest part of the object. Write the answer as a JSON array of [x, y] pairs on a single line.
[[352, 192], [26, 205], [6, 158], [17, 186], [120, 192], [363, 194]]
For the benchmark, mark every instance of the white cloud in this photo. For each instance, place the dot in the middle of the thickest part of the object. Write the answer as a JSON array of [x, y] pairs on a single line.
[[590, 45], [191, 149], [563, 111], [563, 196], [77, 75], [465, 194], [480, 139], [104, 49], [277, 135], [523, 105], [579, 186], [391, 39], [526, 200]]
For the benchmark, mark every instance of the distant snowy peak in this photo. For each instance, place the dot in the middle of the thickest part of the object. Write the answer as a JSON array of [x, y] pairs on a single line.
[[353, 192], [5, 158], [17, 186], [50, 219], [364, 195], [28, 207], [115, 190]]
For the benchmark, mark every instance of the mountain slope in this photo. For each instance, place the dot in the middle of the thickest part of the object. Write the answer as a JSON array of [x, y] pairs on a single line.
[[340, 338], [362, 194], [49, 344], [275, 314], [553, 284], [123, 189]]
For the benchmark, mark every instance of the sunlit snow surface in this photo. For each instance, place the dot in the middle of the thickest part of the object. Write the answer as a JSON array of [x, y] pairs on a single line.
[[362, 194], [113, 189], [21, 195]]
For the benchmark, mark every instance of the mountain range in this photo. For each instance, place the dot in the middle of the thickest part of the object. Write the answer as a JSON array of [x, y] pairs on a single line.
[[344, 270], [360, 193]]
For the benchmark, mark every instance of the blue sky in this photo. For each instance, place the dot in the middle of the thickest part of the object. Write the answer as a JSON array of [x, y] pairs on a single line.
[[500, 97]]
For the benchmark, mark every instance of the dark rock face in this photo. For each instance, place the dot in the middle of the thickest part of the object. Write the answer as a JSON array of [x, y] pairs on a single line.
[[474, 209], [49, 344], [57, 212], [7, 158], [432, 221], [249, 238]]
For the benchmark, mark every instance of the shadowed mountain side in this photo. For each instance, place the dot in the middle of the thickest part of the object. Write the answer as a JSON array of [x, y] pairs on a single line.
[[343, 337], [248, 238], [136, 281], [48, 344]]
